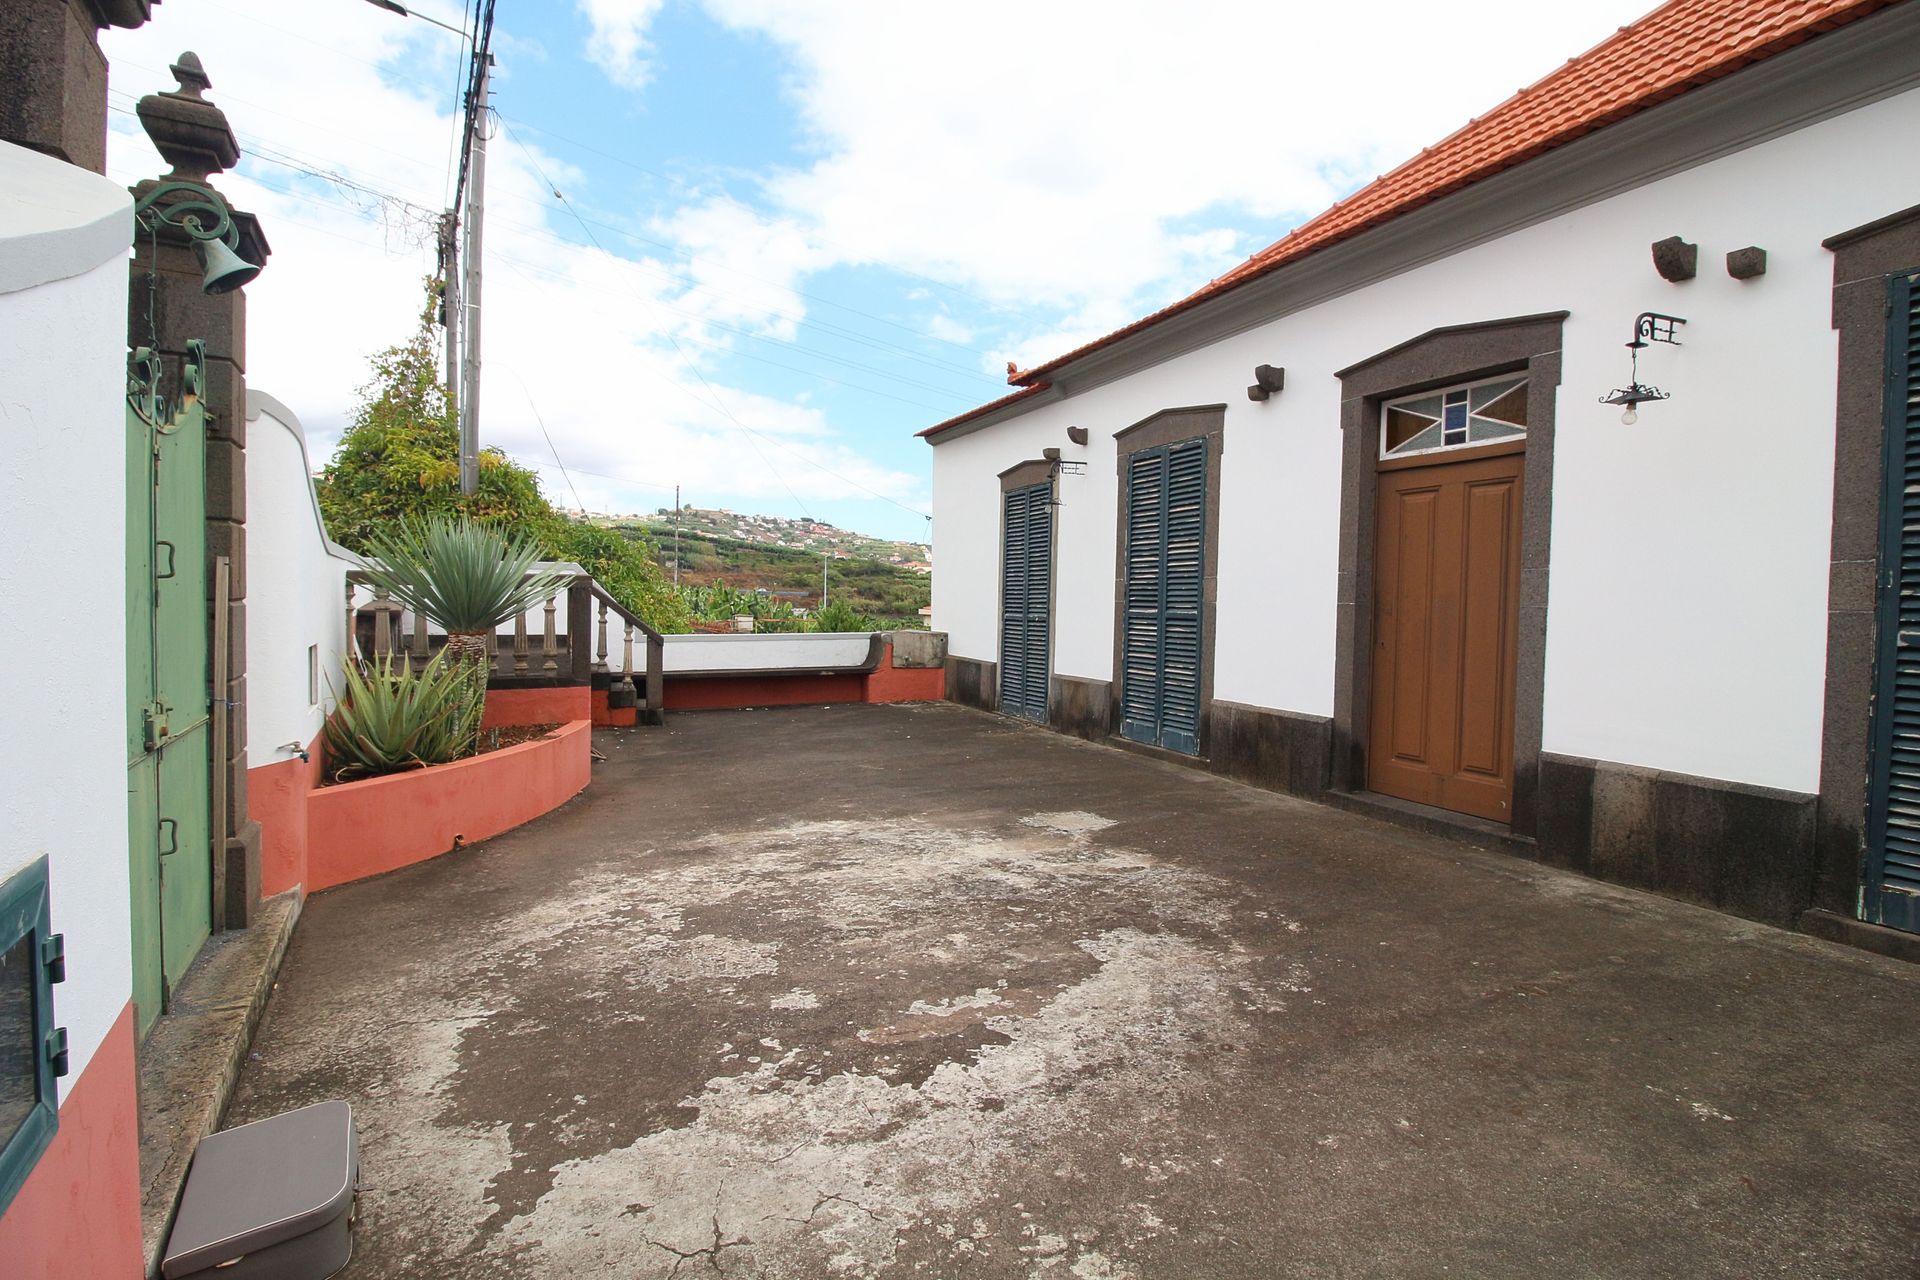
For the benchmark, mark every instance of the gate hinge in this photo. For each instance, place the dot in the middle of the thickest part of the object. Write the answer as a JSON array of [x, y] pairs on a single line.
[[56, 1047], [53, 955]]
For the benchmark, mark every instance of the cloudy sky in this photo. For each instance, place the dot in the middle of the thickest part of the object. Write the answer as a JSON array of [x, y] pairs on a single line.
[[794, 232]]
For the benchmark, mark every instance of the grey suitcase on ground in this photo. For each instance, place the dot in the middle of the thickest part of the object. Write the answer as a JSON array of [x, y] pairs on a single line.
[[271, 1200]]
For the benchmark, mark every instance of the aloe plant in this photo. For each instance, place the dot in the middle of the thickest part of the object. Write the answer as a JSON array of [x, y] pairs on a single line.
[[465, 576], [389, 718]]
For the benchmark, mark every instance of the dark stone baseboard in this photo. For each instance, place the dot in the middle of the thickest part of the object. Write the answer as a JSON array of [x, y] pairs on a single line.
[[1835, 927], [972, 683], [1083, 708], [1278, 750], [1737, 848], [1478, 832]]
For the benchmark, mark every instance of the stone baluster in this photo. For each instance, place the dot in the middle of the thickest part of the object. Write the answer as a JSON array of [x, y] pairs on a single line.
[[600, 648], [383, 624], [419, 641], [548, 647], [520, 643], [352, 649], [626, 661]]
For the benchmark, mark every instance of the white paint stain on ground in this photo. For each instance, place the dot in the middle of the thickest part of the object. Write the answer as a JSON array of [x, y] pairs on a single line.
[[1094, 977], [1074, 822], [1701, 1110], [798, 998], [791, 1176]]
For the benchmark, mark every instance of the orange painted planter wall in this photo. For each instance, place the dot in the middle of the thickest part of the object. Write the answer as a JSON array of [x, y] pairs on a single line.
[[885, 683], [361, 829], [277, 800], [888, 683], [77, 1217], [508, 707], [603, 714], [281, 796], [712, 693]]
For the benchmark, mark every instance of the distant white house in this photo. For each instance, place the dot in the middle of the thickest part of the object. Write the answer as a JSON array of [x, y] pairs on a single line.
[[1379, 516]]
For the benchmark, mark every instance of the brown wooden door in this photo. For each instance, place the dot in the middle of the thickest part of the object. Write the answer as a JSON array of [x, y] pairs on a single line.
[[1446, 591]]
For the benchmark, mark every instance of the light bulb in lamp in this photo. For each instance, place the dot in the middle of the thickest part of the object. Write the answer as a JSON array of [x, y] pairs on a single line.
[[1630, 417]]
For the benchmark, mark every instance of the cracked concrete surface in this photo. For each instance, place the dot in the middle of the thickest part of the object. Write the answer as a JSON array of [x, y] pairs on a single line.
[[894, 991]]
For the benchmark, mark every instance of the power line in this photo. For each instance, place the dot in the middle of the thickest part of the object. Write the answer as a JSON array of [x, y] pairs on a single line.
[[719, 404], [1004, 307], [695, 284], [543, 431]]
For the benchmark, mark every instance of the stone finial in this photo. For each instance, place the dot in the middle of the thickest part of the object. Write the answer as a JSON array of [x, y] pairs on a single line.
[[189, 132], [191, 76]]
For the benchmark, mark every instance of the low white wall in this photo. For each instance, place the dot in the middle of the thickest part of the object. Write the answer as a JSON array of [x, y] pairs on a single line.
[[1689, 553], [64, 234], [751, 653], [296, 589]]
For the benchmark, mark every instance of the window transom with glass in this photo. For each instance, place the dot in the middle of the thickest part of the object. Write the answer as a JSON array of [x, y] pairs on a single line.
[[1461, 417]]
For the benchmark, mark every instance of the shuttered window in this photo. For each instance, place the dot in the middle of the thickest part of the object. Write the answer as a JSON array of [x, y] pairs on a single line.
[[1160, 657], [1891, 893], [1026, 600]]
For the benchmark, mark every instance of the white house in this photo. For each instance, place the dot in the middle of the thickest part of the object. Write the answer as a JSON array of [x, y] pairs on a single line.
[[1357, 520]]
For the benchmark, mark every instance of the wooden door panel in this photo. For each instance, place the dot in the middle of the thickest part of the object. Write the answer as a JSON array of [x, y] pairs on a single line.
[[1482, 777], [1484, 616], [1446, 582], [1402, 760]]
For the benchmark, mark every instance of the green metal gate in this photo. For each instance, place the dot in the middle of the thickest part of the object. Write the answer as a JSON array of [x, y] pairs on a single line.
[[169, 770], [1164, 585]]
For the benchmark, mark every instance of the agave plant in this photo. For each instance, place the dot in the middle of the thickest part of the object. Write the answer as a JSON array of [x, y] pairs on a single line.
[[389, 719], [465, 576]]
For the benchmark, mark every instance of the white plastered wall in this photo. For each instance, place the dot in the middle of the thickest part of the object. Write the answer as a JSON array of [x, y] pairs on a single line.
[[1687, 601], [64, 234], [296, 582]]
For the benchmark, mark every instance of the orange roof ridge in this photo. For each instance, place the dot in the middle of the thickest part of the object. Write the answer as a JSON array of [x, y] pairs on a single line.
[[1679, 46]]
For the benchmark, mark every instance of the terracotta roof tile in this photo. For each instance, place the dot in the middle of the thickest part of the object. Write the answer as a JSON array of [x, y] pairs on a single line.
[[1679, 46], [1032, 390]]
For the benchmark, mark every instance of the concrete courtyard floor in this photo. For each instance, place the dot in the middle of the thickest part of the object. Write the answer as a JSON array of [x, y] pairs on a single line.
[[914, 990]]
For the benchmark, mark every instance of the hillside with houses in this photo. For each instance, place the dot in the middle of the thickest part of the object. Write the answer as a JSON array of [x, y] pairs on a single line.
[[801, 534]]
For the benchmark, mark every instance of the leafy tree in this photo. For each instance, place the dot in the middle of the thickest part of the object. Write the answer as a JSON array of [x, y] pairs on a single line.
[[399, 461]]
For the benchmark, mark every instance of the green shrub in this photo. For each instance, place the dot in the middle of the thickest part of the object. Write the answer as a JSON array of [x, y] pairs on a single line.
[[390, 719], [836, 615]]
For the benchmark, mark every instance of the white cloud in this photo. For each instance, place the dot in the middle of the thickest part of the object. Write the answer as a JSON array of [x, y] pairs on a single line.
[[1093, 156], [575, 336], [947, 329], [618, 41]]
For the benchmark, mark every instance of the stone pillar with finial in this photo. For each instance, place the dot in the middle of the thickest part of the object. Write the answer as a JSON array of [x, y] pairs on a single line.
[[54, 98], [166, 307]]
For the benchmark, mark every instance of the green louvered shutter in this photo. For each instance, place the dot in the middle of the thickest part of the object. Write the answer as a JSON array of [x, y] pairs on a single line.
[[1164, 614], [1182, 606], [1026, 599], [1890, 894], [1145, 564]]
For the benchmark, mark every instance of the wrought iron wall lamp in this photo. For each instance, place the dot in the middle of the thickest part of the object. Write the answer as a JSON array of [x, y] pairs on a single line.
[[1648, 328], [209, 223]]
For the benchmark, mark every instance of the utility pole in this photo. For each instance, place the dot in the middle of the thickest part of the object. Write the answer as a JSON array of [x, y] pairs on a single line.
[[676, 537], [450, 300], [457, 296], [476, 209], [825, 559]]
